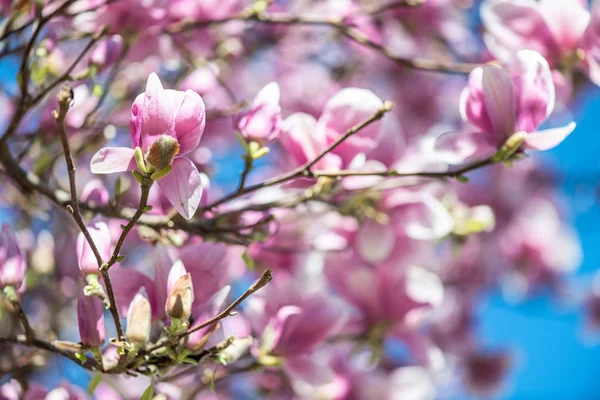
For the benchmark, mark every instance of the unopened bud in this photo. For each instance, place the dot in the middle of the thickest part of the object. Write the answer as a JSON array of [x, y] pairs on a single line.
[[236, 348], [90, 315], [138, 320], [181, 297], [162, 152], [511, 146]]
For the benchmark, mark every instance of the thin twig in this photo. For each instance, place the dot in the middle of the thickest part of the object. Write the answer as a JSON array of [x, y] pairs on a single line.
[[259, 284], [29, 332], [146, 185], [304, 170], [337, 24], [65, 98]]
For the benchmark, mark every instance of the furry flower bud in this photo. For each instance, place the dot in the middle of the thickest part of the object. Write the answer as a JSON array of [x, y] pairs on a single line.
[[138, 320]]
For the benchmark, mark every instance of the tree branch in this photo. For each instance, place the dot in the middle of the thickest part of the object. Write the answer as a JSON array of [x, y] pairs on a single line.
[[337, 24], [65, 98]]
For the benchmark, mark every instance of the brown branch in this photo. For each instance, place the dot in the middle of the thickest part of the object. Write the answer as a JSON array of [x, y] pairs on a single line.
[[146, 185], [259, 284], [393, 173], [89, 364], [337, 24], [65, 98], [304, 170], [382, 8], [25, 103], [29, 332]]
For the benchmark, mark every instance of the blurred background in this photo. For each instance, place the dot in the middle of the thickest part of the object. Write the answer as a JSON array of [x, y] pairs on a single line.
[[554, 355]]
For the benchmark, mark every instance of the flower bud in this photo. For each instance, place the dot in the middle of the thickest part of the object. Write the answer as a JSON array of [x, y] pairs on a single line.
[[107, 52], [12, 263], [162, 152], [95, 192], [85, 256], [262, 123], [138, 320], [180, 299], [90, 315], [180, 292]]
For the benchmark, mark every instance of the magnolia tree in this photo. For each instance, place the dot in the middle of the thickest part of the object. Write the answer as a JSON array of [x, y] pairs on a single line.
[[387, 179]]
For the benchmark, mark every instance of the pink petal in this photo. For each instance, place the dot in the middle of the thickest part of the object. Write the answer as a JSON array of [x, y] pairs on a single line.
[[94, 191], [548, 138], [183, 187], [157, 116], [298, 333], [12, 262], [567, 20], [113, 159], [127, 283], [100, 234], [190, 121], [206, 263], [163, 261], [534, 90], [454, 148], [375, 241], [177, 271], [90, 316], [347, 108], [263, 121], [420, 215], [472, 102], [499, 100], [299, 139], [517, 25]]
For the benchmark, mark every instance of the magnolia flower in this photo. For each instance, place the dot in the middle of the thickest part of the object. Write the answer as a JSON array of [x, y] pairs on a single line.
[[294, 322], [106, 52], [210, 270], [12, 262], [503, 103], [95, 192], [164, 124], [306, 138], [553, 28], [90, 316], [139, 320], [180, 293], [85, 256], [262, 122]]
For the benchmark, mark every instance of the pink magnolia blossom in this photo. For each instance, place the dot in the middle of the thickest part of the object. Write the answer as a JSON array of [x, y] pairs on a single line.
[[211, 271], [501, 103], [563, 31], [262, 122], [349, 107], [12, 261], [90, 316], [294, 320], [95, 192], [102, 239], [553, 28], [107, 52], [303, 142], [306, 138], [165, 124]]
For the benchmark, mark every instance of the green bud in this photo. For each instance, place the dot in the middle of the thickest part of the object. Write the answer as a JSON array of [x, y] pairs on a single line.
[[260, 152], [139, 159], [162, 152], [161, 173], [138, 176]]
